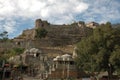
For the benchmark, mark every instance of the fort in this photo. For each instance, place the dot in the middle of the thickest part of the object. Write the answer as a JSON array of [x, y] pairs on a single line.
[[55, 31], [60, 39], [46, 54]]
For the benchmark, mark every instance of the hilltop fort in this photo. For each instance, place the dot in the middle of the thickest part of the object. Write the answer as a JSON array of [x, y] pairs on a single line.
[[60, 39], [58, 34]]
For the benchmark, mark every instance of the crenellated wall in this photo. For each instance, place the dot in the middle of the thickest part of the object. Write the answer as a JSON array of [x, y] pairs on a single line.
[[57, 36]]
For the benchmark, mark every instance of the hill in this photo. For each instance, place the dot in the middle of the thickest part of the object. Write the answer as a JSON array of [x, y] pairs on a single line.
[[60, 39]]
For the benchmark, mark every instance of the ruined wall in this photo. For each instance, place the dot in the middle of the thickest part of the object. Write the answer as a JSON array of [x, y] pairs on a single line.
[[57, 36], [27, 34], [39, 23], [59, 74], [92, 25]]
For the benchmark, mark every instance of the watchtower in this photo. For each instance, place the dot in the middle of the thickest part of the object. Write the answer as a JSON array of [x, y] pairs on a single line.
[[38, 23]]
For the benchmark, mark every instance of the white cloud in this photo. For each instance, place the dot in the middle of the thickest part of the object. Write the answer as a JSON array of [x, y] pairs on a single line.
[[102, 11], [62, 10], [8, 25], [56, 11], [42, 8]]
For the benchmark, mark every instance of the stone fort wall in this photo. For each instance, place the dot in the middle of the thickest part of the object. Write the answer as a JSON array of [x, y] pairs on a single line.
[[57, 36]]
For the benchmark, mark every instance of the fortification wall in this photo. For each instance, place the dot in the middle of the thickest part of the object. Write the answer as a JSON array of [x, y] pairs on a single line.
[[57, 36]]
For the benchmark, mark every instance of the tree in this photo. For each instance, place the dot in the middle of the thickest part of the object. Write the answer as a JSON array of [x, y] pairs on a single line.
[[41, 33], [4, 36], [12, 52], [115, 59], [86, 52], [95, 53]]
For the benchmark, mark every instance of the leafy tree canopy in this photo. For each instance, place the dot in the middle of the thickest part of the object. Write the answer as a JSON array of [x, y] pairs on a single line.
[[98, 52]]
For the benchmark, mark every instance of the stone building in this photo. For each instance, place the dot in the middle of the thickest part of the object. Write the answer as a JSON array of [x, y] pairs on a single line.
[[41, 67], [63, 67], [39, 23], [92, 25], [35, 60]]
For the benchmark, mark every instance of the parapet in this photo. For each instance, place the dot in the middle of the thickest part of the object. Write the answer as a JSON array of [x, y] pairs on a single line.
[[39, 23]]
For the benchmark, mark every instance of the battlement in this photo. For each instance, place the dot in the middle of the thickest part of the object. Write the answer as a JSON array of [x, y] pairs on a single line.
[[39, 23], [57, 34]]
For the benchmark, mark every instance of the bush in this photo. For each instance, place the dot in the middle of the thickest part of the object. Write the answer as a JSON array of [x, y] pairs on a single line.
[[41, 33]]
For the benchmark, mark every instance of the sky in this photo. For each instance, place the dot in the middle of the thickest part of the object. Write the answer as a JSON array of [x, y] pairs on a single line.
[[18, 15]]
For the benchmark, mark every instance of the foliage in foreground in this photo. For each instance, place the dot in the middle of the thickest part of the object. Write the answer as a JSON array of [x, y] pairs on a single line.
[[100, 51], [9, 53]]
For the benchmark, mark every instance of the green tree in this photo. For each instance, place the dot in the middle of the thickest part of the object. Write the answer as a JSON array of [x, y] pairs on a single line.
[[13, 52], [4, 36], [115, 59], [95, 51], [87, 50], [41, 33]]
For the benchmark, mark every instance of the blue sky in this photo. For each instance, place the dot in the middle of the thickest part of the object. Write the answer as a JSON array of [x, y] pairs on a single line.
[[18, 15]]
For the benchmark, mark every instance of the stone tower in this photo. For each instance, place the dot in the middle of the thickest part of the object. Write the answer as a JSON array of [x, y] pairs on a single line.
[[38, 23]]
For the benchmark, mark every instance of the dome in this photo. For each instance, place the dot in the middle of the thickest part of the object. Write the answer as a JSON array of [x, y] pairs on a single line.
[[57, 58], [26, 51], [34, 50], [67, 57]]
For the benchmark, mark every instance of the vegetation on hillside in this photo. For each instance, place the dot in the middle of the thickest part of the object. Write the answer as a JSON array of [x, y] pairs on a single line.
[[100, 51], [10, 53], [41, 33]]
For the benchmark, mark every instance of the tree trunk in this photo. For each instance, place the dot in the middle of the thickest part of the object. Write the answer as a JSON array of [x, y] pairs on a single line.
[[109, 74]]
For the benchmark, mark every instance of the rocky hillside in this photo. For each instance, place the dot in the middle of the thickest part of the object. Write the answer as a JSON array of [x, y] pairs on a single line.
[[60, 39], [57, 35]]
